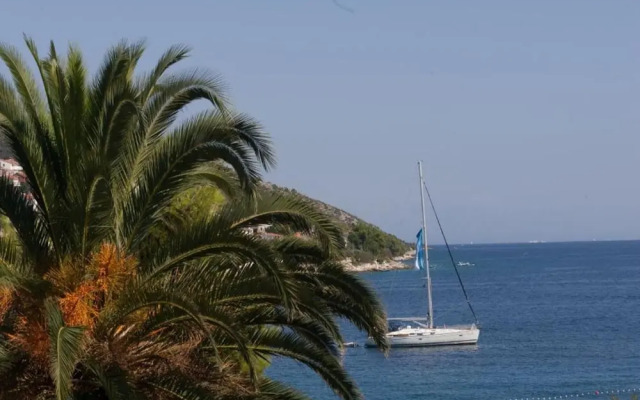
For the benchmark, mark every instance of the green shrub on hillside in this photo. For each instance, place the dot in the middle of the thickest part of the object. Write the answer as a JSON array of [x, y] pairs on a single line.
[[366, 243]]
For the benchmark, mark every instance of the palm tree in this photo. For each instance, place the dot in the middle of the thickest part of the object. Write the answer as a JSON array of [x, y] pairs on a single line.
[[107, 290]]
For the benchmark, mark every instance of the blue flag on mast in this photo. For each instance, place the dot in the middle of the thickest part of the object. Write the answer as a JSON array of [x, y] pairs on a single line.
[[420, 256]]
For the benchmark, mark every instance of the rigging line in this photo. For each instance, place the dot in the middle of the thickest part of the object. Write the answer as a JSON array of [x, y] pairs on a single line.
[[393, 280], [455, 267]]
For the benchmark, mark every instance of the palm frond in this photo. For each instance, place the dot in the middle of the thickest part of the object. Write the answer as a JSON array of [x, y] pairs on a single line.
[[25, 85], [299, 251], [218, 176], [195, 143], [12, 279], [120, 116], [10, 107], [10, 251], [181, 389], [20, 277], [112, 379], [174, 93], [116, 71], [66, 346], [170, 57], [40, 162], [248, 132], [53, 99], [272, 390], [293, 212], [276, 342], [31, 230], [94, 218], [136, 298], [77, 102], [161, 99], [305, 325], [350, 297], [205, 238]]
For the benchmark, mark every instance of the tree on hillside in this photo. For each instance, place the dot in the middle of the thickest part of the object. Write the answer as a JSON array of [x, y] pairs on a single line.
[[110, 288], [368, 243]]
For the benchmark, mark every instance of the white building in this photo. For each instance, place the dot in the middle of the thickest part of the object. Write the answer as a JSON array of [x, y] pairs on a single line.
[[256, 229], [10, 164], [11, 169]]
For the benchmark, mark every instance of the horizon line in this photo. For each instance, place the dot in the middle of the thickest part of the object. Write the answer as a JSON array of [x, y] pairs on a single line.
[[538, 242]]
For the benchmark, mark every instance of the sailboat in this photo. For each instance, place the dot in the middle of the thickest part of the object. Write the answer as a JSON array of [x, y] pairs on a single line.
[[420, 331]]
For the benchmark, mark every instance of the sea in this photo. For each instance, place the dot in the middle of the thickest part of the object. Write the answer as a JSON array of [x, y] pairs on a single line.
[[558, 320]]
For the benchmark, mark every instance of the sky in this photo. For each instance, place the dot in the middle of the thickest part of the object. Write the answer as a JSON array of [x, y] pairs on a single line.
[[526, 114]]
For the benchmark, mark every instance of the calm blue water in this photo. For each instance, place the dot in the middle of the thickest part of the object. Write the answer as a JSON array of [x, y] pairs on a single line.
[[557, 319]]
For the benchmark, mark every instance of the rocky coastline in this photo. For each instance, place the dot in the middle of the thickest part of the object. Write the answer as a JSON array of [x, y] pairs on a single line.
[[385, 265]]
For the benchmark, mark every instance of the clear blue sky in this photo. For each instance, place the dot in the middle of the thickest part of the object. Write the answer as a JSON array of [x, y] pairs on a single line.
[[526, 113]]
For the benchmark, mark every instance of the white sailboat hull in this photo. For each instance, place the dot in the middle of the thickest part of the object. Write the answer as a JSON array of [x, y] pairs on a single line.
[[423, 337]]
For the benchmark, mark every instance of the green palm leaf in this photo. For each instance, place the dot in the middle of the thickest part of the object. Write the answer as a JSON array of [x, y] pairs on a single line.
[[295, 213], [66, 348], [348, 296], [112, 379], [30, 228], [25, 85], [181, 389], [276, 342], [270, 389], [170, 57], [174, 93]]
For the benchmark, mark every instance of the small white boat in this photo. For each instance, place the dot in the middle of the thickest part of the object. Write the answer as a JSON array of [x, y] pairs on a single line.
[[465, 264], [420, 331]]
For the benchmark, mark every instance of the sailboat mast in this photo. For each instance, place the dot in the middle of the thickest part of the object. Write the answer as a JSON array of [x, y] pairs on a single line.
[[426, 249]]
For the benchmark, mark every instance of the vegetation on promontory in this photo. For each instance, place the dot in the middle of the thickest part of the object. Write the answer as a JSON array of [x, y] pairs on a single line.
[[367, 243], [364, 242]]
